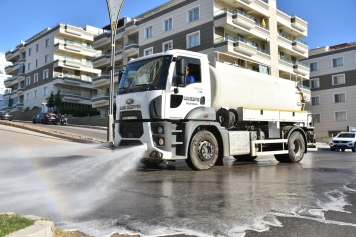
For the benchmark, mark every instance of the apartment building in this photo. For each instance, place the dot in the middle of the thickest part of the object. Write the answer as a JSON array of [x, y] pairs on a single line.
[[57, 58], [3, 76], [333, 88], [252, 34]]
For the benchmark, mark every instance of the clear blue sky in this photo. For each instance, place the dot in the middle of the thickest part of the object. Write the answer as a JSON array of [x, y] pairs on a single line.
[[330, 22]]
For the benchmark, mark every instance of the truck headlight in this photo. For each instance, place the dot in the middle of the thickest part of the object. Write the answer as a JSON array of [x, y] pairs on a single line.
[[161, 141]]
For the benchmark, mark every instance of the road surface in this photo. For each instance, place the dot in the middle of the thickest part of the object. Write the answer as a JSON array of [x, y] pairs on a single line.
[[100, 191]]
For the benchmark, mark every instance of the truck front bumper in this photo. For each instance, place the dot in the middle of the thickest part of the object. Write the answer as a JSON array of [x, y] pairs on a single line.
[[156, 137]]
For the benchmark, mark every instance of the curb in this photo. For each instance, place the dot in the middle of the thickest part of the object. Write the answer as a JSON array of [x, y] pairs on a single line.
[[41, 228], [49, 132]]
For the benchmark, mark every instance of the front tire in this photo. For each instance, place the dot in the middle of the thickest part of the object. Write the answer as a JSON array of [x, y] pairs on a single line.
[[203, 151], [354, 148], [33, 121], [296, 149]]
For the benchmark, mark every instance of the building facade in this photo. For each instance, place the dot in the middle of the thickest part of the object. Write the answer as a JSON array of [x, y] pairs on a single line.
[[55, 59], [252, 34], [3, 76], [333, 88]]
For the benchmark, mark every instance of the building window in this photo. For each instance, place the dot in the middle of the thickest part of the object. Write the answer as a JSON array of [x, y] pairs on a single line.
[[167, 46], [193, 14], [339, 98], [45, 90], [340, 116], [338, 79], [29, 51], [35, 94], [148, 51], [28, 66], [314, 67], [338, 62], [193, 39], [35, 78], [168, 24], [315, 100], [45, 74], [28, 81], [47, 42], [36, 63], [37, 47], [27, 96], [316, 118], [314, 83], [148, 32], [46, 58]]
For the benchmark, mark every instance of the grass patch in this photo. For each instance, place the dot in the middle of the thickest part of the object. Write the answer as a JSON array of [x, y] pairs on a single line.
[[12, 223]]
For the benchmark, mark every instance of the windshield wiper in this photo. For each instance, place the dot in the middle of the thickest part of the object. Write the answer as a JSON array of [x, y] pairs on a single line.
[[148, 87]]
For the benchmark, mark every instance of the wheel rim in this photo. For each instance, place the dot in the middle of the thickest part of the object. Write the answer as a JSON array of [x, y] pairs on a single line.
[[205, 150], [296, 147]]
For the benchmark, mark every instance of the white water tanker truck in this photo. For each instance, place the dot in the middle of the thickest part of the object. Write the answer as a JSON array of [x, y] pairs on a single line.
[[226, 111]]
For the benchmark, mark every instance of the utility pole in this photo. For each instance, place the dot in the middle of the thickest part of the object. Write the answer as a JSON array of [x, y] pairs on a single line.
[[114, 7]]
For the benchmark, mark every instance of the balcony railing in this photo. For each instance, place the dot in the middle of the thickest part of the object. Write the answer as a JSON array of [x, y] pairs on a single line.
[[260, 25], [100, 95], [80, 78], [285, 60], [132, 42], [119, 49], [285, 36], [302, 42], [302, 64], [244, 14], [235, 39], [77, 94], [263, 51], [103, 74], [102, 54]]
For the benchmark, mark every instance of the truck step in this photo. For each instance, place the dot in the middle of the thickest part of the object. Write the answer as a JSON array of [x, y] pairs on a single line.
[[179, 157], [177, 143], [176, 131]]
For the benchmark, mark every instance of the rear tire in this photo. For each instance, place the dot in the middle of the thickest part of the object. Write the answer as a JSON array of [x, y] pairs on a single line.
[[203, 151], [343, 149], [354, 149], [33, 121], [296, 149], [42, 121]]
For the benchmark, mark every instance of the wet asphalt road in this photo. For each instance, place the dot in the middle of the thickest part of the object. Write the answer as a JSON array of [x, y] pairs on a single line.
[[100, 191]]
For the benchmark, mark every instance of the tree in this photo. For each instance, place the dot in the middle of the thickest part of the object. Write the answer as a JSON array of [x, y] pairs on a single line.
[[50, 101], [58, 100]]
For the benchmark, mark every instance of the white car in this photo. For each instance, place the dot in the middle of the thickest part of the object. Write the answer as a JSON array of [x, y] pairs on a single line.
[[344, 140]]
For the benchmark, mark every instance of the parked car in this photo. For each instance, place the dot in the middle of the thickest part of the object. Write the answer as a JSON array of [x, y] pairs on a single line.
[[344, 140], [5, 116], [45, 118]]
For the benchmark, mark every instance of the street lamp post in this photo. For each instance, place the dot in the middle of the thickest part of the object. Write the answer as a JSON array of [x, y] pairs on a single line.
[[114, 7]]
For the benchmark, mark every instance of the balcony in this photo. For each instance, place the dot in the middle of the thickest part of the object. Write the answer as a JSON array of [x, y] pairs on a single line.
[[20, 90], [100, 100], [299, 23], [12, 54], [131, 47], [248, 1], [245, 46], [69, 96], [243, 19], [12, 68], [102, 39], [101, 59], [101, 79], [301, 68], [300, 46], [83, 81]]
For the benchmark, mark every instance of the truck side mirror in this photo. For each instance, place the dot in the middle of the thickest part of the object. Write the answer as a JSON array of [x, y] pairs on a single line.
[[180, 72]]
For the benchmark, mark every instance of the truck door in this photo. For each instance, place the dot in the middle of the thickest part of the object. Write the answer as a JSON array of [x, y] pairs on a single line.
[[183, 98]]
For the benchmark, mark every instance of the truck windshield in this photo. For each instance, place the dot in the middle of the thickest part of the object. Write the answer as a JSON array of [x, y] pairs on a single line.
[[146, 74]]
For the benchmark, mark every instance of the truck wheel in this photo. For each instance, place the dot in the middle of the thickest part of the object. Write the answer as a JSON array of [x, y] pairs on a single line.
[[354, 149], [296, 149], [203, 151], [332, 149], [245, 157]]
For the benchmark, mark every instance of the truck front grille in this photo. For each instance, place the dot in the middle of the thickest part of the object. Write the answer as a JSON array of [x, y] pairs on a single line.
[[131, 128]]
